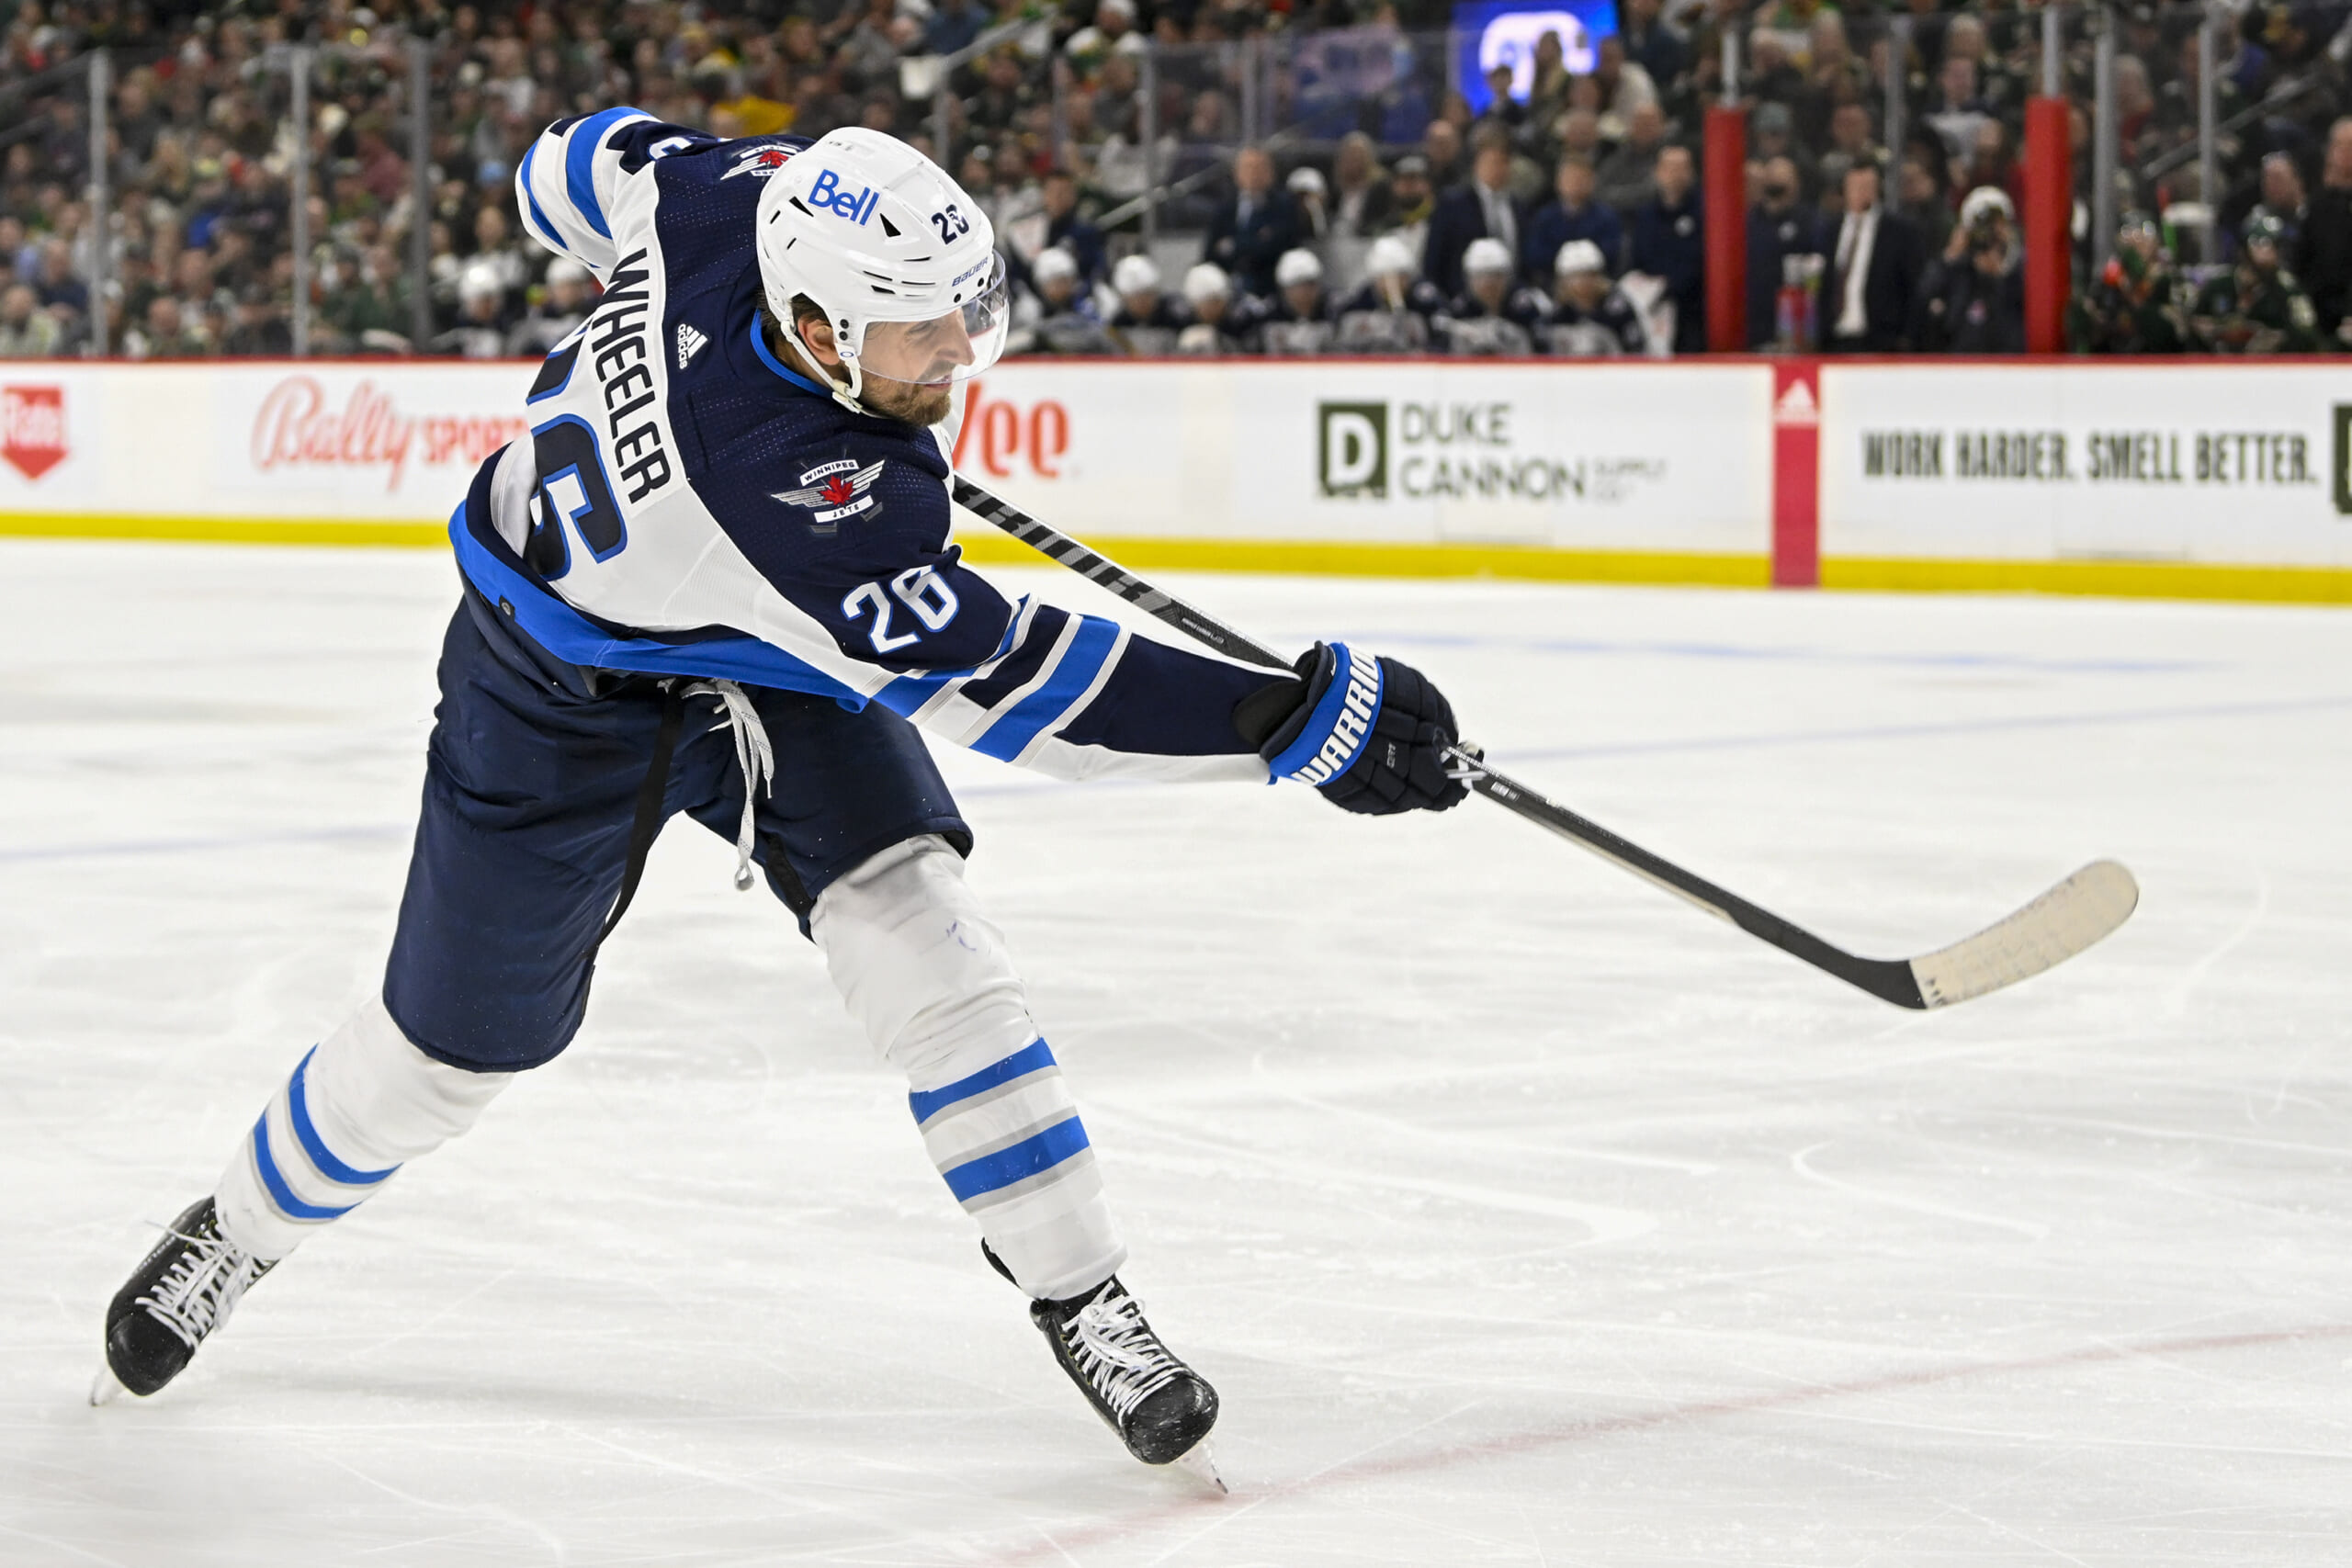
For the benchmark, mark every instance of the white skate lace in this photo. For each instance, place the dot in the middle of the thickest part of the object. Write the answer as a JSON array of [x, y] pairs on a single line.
[[202, 1287], [753, 753], [1124, 1361]]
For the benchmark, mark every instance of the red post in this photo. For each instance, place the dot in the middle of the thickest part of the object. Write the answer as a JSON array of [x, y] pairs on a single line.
[[1726, 174], [1796, 472], [2049, 217]]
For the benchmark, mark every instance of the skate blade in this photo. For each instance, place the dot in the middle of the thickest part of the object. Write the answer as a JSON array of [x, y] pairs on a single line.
[[105, 1388], [1198, 1462]]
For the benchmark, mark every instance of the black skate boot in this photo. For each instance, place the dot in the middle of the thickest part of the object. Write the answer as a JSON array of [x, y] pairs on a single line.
[[1161, 1408], [184, 1291]]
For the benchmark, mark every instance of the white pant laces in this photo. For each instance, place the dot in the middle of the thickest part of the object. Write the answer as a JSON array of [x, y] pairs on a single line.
[[753, 753]]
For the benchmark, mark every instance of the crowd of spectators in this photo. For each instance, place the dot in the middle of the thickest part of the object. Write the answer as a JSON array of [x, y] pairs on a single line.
[[1328, 190]]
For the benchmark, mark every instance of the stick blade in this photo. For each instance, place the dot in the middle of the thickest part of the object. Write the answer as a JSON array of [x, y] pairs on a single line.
[[2054, 927]]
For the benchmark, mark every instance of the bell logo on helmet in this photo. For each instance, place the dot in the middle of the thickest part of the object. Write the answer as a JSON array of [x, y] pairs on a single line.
[[857, 207]]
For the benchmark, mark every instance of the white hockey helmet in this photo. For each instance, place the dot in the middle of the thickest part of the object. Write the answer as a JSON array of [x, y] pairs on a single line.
[[900, 260], [1579, 255], [1487, 257], [1135, 274], [1297, 267], [1389, 258], [1206, 280]]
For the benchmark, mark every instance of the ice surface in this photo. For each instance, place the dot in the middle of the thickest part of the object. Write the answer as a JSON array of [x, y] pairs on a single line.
[[1522, 1214]]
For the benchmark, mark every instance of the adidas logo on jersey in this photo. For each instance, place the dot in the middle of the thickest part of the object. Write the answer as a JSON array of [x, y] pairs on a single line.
[[690, 344]]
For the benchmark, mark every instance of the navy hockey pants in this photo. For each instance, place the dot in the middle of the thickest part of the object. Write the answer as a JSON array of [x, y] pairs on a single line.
[[531, 787]]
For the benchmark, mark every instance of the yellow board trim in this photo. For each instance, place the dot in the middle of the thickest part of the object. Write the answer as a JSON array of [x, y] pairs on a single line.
[[2113, 578], [221, 530], [2108, 579], [1521, 562]]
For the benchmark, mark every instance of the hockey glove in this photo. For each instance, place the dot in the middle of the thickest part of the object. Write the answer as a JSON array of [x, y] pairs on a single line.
[[1370, 733]]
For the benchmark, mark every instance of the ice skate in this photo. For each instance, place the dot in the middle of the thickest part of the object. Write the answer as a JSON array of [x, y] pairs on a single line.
[[181, 1293], [1161, 1408]]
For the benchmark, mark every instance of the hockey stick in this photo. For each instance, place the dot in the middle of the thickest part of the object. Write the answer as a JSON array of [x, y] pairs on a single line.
[[2053, 928]]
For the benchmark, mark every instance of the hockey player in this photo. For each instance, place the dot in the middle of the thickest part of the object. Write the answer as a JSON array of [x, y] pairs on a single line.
[[1221, 321], [1590, 318], [1149, 321], [1492, 316], [1297, 320], [1390, 310], [732, 507]]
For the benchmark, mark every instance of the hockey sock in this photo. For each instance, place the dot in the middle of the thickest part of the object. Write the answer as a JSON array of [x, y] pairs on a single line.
[[925, 972], [1008, 1141], [360, 1104]]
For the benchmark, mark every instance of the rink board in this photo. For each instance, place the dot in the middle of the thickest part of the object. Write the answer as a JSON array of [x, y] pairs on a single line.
[[2182, 481]]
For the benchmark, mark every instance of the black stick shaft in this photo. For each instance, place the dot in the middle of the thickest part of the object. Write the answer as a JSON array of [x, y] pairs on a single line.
[[1889, 980]]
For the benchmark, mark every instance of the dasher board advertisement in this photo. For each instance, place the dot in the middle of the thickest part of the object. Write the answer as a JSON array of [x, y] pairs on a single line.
[[1644, 459], [2201, 464]]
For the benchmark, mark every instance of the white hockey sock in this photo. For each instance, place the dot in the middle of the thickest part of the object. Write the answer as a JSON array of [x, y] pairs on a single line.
[[363, 1102], [926, 973]]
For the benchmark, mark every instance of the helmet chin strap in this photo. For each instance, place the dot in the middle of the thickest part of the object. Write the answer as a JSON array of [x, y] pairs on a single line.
[[845, 395]]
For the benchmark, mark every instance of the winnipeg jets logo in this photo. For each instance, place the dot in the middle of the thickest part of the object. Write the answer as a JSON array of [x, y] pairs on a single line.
[[836, 490], [759, 162], [690, 344]]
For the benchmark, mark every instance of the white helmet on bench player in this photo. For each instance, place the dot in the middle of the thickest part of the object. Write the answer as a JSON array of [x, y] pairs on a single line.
[[900, 260]]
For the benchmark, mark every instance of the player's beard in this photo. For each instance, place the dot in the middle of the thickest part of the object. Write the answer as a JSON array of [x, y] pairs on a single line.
[[916, 402]]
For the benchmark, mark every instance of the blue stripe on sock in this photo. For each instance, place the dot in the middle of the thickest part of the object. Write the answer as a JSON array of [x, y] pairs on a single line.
[[927, 1103], [1022, 1160], [281, 1195], [1010, 736], [313, 1144]]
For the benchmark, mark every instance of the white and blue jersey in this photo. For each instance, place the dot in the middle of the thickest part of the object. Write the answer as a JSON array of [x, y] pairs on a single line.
[[686, 504]]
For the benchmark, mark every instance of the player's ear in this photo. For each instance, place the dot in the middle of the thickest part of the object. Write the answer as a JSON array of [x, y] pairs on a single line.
[[817, 338]]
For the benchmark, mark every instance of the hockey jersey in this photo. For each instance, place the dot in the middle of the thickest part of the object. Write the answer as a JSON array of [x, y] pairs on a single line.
[[686, 504]]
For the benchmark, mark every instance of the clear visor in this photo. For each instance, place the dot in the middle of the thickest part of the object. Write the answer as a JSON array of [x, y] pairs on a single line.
[[944, 349]]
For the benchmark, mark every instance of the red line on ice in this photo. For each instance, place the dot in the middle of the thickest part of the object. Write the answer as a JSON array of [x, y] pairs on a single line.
[[1060, 1544]]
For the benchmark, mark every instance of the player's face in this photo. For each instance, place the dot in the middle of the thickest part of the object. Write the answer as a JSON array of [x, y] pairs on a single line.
[[1490, 288], [908, 369]]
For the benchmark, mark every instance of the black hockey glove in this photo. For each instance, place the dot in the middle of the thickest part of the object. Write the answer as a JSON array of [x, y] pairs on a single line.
[[1370, 733]]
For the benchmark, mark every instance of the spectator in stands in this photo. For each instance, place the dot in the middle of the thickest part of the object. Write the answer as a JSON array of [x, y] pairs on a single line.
[[2257, 306], [260, 327], [1147, 321], [1656, 45], [2283, 198], [1670, 243], [1875, 274], [164, 333], [1776, 136], [2135, 306], [1481, 208], [1308, 189], [26, 332], [1391, 311], [1627, 178], [1415, 202], [1067, 230], [1572, 214], [483, 318], [1362, 198], [1298, 319], [954, 25], [1590, 318], [1492, 315], [1254, 230], [2326, 263], [1441, 150], [1976, 299], [1780, 226], [1919, 197], [562, 307], [1218, 320]]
